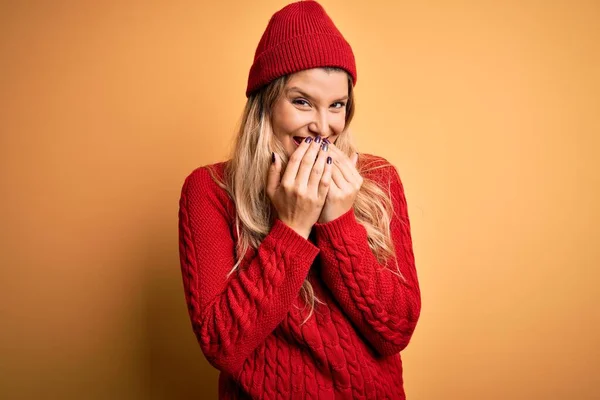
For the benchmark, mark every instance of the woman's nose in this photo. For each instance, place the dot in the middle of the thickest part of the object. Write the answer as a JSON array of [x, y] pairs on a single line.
[[321, 129]]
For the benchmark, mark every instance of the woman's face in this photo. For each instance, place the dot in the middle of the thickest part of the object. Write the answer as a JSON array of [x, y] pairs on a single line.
[[313, 104]]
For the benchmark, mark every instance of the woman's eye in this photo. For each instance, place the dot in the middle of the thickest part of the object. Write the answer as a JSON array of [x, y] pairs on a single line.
[[301, 102]]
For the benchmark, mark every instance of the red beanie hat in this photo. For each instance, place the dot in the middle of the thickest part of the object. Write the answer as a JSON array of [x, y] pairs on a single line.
[[299, 36]]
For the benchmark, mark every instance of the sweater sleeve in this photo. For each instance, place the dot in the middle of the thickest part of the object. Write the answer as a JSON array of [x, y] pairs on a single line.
[[383, 306], [231, 316]]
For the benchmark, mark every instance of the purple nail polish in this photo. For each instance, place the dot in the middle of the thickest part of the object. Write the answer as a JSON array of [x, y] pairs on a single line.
[[308, 139], [329, 160], [324, 146], [326, 141], [272, 157], [318, 139]]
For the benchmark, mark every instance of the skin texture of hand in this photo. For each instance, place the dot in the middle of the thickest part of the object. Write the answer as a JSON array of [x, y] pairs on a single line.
[[344, 186], [298, 196]]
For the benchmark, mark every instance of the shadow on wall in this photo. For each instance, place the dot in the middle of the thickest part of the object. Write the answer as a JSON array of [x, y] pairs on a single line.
[[173, 364]]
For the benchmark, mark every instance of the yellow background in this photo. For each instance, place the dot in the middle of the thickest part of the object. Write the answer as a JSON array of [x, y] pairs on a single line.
[[488, 109]]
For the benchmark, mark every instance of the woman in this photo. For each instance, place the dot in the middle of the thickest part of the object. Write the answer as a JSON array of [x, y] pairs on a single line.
[[296, 256]]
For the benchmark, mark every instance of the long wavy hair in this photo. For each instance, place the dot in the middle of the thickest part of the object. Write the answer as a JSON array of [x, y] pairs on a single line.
[[245, 180]]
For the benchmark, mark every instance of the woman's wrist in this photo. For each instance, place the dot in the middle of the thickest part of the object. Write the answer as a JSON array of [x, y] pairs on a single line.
[[299, 231]]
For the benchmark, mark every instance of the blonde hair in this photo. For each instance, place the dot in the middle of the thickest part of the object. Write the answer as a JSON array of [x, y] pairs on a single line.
[[245, 180]]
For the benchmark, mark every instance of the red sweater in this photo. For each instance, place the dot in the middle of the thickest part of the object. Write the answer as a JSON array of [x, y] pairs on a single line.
[[249, 325]]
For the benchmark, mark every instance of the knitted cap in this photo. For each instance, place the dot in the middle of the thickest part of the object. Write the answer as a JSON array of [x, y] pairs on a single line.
[[299, 36]]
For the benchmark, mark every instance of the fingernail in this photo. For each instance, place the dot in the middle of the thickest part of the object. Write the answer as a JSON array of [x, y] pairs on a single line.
[[326, 141], [308, 139], [318, 139], [272, 157], [329, 160], [324, 146]]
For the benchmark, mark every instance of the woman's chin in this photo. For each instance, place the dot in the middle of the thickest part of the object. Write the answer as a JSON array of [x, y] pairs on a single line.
[[291, 149]]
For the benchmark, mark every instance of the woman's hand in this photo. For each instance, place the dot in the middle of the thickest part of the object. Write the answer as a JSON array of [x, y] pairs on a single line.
[[344, 187], [299, 195]]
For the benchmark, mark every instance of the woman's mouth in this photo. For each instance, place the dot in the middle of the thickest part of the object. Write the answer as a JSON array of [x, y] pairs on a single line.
[[298, 140]]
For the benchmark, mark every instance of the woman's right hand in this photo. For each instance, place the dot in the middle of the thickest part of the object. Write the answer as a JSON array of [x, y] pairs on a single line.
[[299, 195]]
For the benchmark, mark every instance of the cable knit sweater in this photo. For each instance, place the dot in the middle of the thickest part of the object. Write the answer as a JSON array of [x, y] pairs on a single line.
[[249, 325]]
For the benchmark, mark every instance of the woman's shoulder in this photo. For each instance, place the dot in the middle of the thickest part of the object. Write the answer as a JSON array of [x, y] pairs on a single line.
[[202, 172], [367, 159], [206, 184], [208, 176], [375, 167]]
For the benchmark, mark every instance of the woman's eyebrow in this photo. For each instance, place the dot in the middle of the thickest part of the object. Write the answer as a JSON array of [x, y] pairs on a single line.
[[297, 89]]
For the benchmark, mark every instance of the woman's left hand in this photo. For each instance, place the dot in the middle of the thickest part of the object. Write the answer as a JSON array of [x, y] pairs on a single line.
[[344, 186]]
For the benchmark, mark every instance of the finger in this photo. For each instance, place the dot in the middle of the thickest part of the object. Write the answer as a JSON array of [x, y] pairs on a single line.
[[293, 165], [346, 164], [274, 175], [344, 160], [326, 183], [338, 177], [307, 163], [318, 169], [346, 169]]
